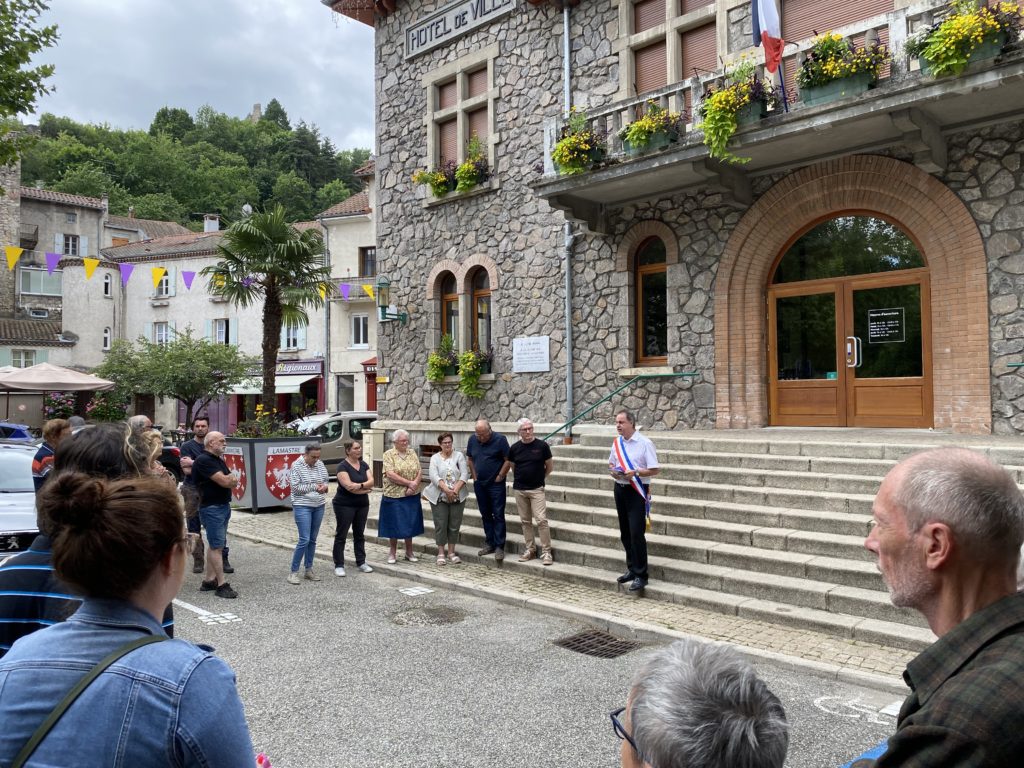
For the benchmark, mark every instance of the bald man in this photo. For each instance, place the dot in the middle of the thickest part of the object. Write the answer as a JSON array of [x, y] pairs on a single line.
[[214, 482]]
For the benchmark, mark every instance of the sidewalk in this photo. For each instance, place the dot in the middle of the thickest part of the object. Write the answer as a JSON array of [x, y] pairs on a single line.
[[832, 657]]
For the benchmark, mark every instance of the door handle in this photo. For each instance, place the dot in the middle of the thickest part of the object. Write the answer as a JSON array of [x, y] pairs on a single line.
[[851, 351], [860, 351]]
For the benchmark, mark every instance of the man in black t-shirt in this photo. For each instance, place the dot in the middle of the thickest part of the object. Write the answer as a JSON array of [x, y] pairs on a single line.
[[214, 482], [530, 459], [190, 451]]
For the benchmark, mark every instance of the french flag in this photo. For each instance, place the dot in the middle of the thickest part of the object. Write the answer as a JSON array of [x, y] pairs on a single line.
[[768, 31]]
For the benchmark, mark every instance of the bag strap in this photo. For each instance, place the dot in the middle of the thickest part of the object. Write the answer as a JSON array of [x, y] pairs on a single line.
[[74, 693]]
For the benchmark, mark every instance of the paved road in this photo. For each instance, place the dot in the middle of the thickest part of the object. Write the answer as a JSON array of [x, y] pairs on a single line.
[[351, 672]]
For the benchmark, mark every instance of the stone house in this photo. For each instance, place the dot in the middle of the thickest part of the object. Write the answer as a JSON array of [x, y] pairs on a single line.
[[672, 262]]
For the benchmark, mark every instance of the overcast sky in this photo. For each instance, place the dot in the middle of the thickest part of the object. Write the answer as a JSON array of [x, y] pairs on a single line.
[[119, 61]]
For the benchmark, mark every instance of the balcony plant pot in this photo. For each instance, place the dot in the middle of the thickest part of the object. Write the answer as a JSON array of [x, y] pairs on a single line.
[[837, 89], [657, 141], [596, 156], [485, 368], [451, 370], [751, 112], [988, 49]]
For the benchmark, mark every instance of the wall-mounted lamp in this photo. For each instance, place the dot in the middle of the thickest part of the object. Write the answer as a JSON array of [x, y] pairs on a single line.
[[385, 309]]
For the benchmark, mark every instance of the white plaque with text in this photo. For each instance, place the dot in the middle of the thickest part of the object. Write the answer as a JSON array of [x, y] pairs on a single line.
[[450, 22], [531, 354]]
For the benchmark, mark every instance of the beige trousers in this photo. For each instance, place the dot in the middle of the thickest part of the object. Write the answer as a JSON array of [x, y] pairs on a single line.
[[531, 505]]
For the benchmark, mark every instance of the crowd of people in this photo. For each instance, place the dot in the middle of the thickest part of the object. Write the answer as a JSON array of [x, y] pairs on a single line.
[[89, 664]]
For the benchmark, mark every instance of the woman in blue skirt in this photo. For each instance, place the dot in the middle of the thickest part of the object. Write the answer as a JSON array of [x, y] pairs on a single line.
[[401, 512]]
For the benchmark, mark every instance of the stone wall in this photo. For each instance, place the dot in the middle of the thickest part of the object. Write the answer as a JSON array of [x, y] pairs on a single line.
[[10, 179]]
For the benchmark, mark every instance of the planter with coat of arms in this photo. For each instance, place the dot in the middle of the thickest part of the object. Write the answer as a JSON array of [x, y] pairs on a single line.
[[263, 465]]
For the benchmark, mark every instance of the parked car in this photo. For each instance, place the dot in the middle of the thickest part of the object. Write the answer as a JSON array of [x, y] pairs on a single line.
[[335, 428], [9, 431], [17, 497]]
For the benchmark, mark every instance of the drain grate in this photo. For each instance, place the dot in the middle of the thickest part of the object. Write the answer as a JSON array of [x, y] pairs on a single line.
[[594, 642]]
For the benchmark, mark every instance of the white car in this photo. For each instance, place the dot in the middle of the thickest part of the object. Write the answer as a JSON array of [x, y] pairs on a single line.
[[17, 497]]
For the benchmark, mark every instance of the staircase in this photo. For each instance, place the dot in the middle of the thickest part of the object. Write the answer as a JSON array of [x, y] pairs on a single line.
[[766, 524]]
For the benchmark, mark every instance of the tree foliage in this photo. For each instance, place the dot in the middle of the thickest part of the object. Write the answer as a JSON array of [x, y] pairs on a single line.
[[265, 260], [21, 38], [189, 368]]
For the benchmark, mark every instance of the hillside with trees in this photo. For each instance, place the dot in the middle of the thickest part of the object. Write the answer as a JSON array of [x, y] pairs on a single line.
[[187, 165]]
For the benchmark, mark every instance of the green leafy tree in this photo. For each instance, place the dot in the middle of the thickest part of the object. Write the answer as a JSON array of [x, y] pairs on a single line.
[[294, 194], [92, 181], [265, 259], [349, 160], [21, 38], [330, 193], [274, 113], [172, 121], [160, 206]]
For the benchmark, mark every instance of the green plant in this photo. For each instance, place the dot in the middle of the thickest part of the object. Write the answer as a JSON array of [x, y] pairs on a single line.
[[833, 57], [471, 364], [655, 120], [264, 424], [441, 359], [947, 45], [58, 405], [720, 107], [578, 147], [474, 169], [107, 406], [441, 180]]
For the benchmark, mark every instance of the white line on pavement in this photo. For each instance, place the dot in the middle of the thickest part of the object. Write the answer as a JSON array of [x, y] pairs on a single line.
[[207, 617]]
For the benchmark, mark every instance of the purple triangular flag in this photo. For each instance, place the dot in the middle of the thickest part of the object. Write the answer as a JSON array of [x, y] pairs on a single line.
[[344, 288], [52, 260], [188, 277], [126, 272]]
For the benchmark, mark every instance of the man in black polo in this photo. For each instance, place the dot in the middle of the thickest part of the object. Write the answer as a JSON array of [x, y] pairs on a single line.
[[214, 481]]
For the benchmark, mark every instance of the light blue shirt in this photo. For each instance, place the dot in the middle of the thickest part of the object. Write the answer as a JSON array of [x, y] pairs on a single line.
[[166, 704]]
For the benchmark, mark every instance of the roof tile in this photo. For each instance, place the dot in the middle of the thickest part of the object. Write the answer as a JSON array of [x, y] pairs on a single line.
[[64, 198], [38, 332], [152, 228], [358, 203], [174, 245]]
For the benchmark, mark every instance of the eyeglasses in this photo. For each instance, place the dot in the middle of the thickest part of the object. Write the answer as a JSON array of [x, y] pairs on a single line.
[[620, 731]]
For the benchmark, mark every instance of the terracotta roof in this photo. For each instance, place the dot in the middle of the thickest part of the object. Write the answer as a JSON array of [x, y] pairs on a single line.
[[175, 245], [359, 203], [49, 196], [151, 227], [35, 332], [366, 169], [303, 225]]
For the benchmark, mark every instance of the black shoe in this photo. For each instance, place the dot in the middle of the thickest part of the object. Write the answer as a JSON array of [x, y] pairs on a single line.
[[208, 586], [637, 585], [225, 590], [627, 576], [228, 567], [488, 550]]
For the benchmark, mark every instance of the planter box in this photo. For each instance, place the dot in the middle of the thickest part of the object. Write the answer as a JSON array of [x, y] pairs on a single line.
[[263, 464], [989, 49], [751, 113], [837, 89], [657, 141], [596, 156]]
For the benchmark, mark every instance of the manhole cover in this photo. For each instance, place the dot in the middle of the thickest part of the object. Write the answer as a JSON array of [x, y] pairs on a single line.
[[594, 642], [428, 617]]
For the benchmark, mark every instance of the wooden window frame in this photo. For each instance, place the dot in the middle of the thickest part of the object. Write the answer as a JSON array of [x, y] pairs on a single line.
[[475, 295], [449, 300], [639, 272], [368, 258]]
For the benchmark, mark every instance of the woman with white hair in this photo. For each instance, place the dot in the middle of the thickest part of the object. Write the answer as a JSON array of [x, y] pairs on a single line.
[[401, 513]]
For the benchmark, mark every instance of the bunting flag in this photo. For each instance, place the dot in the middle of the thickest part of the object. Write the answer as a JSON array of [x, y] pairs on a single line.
[[52, 260], [158, 275], [188, 276], [344, 288], [126, 272], [218, 281], [322, 291], [767, 31], [369, 289], [90, 266], [13, 253]]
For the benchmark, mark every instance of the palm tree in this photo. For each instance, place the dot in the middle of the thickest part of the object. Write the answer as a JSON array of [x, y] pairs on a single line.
[[263, 257]]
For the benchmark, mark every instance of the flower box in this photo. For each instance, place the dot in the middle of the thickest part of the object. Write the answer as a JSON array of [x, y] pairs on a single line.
[[657, 142], [987, 49], [751, 112], [854, 85]]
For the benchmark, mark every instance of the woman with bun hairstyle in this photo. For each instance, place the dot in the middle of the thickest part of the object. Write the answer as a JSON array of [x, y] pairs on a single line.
[[122, 545]]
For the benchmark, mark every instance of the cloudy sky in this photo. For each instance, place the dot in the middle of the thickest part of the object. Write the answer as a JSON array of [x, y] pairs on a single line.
[[119, 61]]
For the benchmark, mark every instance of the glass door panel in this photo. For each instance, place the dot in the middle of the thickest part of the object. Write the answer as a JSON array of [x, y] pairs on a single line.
[[806, 336], [887, 321]]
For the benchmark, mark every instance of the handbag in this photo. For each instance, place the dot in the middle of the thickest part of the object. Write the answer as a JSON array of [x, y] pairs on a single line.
[[74, 693]]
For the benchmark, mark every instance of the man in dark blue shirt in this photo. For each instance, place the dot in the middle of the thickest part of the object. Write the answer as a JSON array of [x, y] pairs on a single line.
[[487, 453], [190, 451]]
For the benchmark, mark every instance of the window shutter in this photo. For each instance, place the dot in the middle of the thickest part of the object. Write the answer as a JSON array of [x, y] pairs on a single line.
[[699, 50], [302, 337], [478, 124], [284, 335], [651, 67], [83, 246], [648, 14], [693, 5], [802, 18], [5, 356], [172, 285], [448, 141], [58, 243], [42, 356], [172, 330], [211, 334], [476, 83], [147, 331], [233, 331], [447, 95]]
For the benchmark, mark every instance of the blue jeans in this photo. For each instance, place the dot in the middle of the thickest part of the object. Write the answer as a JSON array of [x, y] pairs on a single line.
[[307, 520], [490, 497]]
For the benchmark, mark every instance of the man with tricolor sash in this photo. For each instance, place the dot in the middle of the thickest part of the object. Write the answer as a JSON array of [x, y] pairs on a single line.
[[632, 463]]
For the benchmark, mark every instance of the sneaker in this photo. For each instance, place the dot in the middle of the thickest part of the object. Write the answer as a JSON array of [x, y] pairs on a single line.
[[627, 576], [637, 585], [293, 578], [485, 551], [339, 571], [499, 555], [225, 590], [365, 568], [208, 586], [228, 568], [547, 559], [312, 575], [527, 556]]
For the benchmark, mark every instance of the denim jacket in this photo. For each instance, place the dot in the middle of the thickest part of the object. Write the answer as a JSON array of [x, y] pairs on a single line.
[[171, 703]]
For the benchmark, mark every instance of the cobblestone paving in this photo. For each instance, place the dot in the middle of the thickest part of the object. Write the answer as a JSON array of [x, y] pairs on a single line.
[[867, 661]]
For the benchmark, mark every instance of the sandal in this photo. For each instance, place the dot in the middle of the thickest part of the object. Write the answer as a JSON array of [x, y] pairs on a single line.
[[441, 560], [392, 560], [455, 559]]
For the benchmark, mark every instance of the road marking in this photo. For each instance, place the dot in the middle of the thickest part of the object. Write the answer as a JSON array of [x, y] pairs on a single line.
[[205, 616], [893, 710], [834, 705], [415, 591]]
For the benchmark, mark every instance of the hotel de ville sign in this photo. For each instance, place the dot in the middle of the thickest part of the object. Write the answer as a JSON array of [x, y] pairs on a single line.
[[452, 21]]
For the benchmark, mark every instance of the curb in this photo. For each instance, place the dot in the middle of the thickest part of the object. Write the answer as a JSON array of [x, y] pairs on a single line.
[[626, 628]]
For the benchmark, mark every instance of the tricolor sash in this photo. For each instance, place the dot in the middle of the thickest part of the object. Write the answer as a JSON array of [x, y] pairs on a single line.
[[626, 463]]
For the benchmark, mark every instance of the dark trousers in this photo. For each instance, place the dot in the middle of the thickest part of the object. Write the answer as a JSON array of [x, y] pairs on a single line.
[[354, 518], [632, 529], [490, 497]]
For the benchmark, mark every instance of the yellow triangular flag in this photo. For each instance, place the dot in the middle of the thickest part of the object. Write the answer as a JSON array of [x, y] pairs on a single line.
[[90, 266], [323, 292], [369, 290], [158, 275], [13, 253]]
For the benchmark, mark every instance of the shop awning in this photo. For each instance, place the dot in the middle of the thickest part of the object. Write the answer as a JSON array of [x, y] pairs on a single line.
[[283, 385]]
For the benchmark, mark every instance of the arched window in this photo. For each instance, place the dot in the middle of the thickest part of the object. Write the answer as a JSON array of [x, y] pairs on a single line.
[[106, 338], [450, 307], [651, 303], [108, 285], [481, 309]]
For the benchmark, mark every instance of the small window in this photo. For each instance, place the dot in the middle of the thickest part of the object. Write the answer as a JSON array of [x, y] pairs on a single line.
[[23, 358], [71, 218], [161, 334], [368, 261], [38, 282], [163, 288], [293, 335], [106, 338], [70, 245], [108, 286], [450, 307], [481, 329], [222, 331], [651, 303], [360, 331]]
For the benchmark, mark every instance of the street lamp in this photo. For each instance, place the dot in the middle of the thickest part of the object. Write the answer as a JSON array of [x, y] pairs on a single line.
[[385, 309]]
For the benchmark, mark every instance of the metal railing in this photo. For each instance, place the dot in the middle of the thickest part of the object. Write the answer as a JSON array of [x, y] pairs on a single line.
[[567, 426]]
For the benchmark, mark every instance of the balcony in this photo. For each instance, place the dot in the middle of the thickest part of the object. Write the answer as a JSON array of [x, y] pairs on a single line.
[[29, 236], [905, 109]]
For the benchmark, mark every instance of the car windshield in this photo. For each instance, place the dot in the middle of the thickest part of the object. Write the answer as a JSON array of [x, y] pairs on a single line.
[[308, 425], [16, 472]]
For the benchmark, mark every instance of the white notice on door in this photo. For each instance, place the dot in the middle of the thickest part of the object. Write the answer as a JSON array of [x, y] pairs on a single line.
[[531, 354]]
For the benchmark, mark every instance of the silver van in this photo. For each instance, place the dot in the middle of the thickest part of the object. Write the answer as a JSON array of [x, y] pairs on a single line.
[[334, 429]]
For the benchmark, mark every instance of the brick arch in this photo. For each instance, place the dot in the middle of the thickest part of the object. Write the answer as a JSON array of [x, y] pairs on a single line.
[[486, 262], [933, 216], [640, 232], [433, 282]]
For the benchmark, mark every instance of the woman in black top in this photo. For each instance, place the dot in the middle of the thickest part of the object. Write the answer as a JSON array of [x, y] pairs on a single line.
[[351, 507]]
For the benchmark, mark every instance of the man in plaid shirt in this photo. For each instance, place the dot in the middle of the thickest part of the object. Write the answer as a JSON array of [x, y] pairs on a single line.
[[948, 527]]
